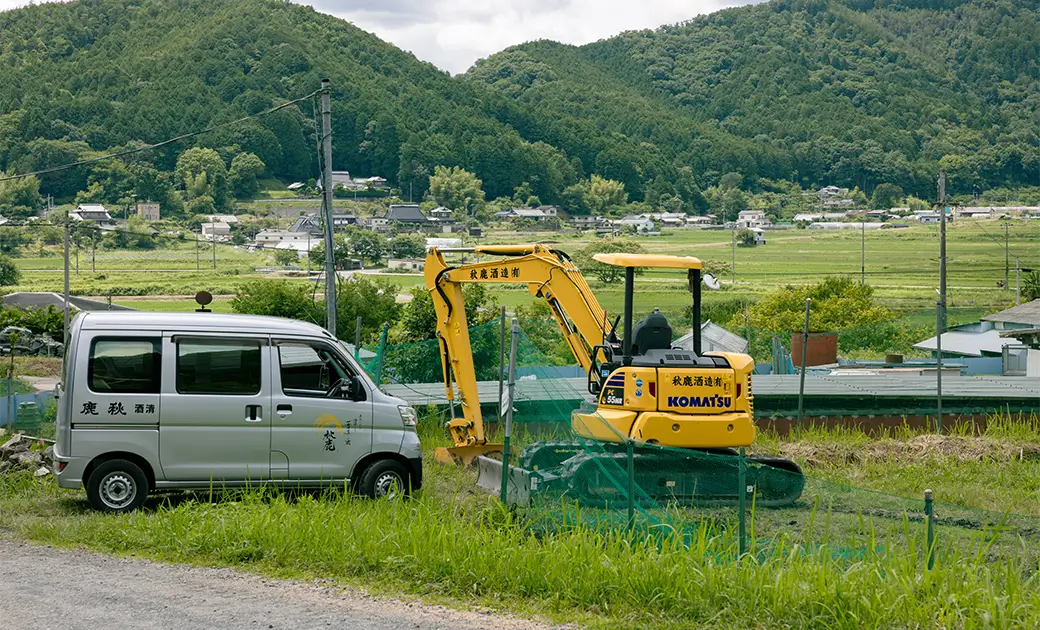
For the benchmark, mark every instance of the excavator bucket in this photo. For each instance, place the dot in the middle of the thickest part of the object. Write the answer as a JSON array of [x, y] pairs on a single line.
[[520, 485], [463, 455]]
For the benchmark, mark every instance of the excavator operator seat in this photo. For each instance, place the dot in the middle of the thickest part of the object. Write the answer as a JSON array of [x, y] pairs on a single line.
[[653, 333]]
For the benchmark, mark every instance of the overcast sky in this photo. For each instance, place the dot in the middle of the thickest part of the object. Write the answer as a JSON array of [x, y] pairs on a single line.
[[452, 34]]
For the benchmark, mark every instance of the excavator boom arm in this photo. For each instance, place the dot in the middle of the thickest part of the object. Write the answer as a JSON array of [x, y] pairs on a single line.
[[548, 274]]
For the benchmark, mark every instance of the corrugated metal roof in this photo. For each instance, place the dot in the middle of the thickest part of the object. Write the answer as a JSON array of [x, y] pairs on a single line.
[[1028, 314], [714, 338], [969, 344]]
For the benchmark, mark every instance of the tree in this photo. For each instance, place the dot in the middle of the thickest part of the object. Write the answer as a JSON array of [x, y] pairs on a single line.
[[245, 168], [1031, 286], [375, 301], [604, 194], [607, 274], [201, 205], [19, 197], [457, 189], [368, 245], [407, 246], [9, 273], [746, 237], [286, 257], [837, 303], [317, 253], [730, 180], [278, 298], [201, 172], [886, 196]]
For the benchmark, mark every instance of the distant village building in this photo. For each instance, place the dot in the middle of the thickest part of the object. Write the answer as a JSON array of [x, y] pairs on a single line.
[[637, 223], [92, 212], [586, 221], [216, 230], [230, 219], [832, 197], [753, 219], [440, 212], [406, 264], [148, 211], [541, 213], [271, 239], [306, 223]]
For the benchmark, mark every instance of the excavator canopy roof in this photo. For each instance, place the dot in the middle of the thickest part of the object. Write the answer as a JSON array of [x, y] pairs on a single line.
[[660, 261]]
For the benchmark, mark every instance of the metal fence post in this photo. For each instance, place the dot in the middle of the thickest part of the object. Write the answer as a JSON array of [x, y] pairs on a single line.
[[501, 358], [929, 515], [514, 338], [379, 357], [805, 353], [631, 456], [357, 339], [742, 490]]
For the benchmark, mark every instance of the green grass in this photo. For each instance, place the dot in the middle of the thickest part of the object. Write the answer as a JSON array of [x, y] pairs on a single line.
[[821, 564]]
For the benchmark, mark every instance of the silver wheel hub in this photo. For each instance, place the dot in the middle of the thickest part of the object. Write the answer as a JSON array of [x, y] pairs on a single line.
[[118, 490], [388, 485]]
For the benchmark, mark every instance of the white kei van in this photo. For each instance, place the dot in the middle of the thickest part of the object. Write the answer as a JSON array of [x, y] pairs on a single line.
[[161, 401]]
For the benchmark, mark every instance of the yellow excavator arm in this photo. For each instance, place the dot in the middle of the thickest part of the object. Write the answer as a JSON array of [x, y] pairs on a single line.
[[548, 274]]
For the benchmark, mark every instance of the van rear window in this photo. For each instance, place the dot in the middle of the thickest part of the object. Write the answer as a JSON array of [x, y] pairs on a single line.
[[125, 366], [228, 367]]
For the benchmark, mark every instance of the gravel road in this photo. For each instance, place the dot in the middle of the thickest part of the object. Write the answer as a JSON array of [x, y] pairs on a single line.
[[41, 587]]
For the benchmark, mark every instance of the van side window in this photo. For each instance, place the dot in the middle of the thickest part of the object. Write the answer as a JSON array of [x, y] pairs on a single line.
[[218, 366], [125, 366], [308, 370]]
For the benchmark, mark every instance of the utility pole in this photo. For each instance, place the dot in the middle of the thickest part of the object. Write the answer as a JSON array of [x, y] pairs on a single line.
[[733, 256], [940, 306], [862, 251], [197, 265], [326, 195], [1007, 257], [65, 335], [942, 244], [1018, 282], [214, 251]]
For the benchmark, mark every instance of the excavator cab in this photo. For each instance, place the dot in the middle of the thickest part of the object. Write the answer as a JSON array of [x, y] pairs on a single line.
[[653, 332]]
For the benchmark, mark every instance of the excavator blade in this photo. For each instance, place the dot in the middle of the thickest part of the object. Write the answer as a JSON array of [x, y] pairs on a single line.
[[518, 490], [463, 455]]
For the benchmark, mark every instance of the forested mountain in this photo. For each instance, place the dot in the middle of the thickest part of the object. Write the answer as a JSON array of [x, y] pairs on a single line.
[[853, 92], [811, 91], [91, 75]]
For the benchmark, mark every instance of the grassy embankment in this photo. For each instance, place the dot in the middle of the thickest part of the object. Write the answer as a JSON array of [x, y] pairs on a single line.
[[810, 565]]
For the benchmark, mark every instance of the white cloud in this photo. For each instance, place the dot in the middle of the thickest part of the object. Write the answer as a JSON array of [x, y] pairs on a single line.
[[452, 34]]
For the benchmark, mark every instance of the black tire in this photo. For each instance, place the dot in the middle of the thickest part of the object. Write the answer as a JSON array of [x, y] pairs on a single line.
[[117, 486], [385, 479]]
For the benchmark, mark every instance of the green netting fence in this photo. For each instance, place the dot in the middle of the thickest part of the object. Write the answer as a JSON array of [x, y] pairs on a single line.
[[673, 493]]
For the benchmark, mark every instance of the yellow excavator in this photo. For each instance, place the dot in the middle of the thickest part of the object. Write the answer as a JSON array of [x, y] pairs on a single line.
[[647, 391]]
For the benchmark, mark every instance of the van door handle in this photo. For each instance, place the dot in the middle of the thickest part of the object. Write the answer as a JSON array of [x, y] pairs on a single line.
[[284, 410], [254, 413]]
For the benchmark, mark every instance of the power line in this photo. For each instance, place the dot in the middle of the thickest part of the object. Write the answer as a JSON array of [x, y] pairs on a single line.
[[149, 147]]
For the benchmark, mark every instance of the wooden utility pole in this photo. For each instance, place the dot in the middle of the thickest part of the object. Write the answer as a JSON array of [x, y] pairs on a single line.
[[940, 306], [326, 194]]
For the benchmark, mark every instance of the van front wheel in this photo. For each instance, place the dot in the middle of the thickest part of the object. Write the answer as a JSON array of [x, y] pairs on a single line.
[[117, 486], [385, 479]]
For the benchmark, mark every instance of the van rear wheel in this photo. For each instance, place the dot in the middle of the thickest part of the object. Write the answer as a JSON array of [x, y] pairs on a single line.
[[385, 479], [117, 486]]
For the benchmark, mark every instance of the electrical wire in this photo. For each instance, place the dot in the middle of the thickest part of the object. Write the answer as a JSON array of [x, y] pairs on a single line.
[[149, 147]]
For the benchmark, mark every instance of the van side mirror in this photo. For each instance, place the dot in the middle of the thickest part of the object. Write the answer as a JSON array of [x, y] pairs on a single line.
[[353, 389]]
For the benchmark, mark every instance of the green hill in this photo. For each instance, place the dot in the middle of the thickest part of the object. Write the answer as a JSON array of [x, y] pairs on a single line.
[[807, 90], [92, 75], [851, 93]]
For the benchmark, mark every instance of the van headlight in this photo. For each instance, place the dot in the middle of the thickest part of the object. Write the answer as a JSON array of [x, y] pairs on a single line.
[[408, 415]]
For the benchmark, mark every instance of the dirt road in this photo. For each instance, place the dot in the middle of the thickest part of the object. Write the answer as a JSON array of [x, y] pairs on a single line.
[[42, 587]]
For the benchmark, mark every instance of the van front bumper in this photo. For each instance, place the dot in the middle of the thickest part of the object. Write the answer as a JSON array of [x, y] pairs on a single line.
[[415, 468]]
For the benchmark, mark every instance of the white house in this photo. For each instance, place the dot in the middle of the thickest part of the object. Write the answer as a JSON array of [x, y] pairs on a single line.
[[406, 264], [271, 239], [230, 219], [699, 220], [752, 218], [760, 235], [440, 212], [91, 212], [638, 223], [148, 211]]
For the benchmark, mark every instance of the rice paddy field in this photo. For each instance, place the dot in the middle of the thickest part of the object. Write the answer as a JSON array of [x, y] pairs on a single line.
[[902, 265]]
